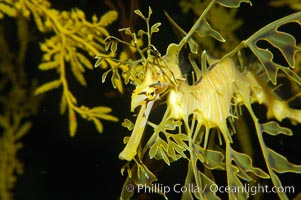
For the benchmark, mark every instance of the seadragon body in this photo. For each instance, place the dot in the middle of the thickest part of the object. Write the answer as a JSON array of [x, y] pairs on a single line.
[[210, 99], [195, 111]]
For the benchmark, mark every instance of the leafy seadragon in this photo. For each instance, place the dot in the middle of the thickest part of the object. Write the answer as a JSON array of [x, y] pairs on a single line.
[[207, 107]]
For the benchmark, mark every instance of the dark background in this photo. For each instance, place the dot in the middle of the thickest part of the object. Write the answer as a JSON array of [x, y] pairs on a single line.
[[87, 166]]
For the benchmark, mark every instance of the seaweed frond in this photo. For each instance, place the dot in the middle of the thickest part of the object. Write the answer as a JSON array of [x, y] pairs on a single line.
[[73, 39]]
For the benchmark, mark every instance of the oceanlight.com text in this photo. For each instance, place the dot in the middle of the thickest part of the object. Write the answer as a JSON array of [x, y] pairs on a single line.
[[214, 188]]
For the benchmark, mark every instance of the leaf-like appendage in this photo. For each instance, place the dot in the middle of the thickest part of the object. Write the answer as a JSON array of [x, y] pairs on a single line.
[[155, 27], [240, 171], [101, 109], [98, 125], [126, 31], [139, 13], [277, 184], [172, 147], [161, 150], [23, 129], [116, 80], [84, 60], [199, 181], [104, 75], [111, 43], [162, 155], [8, 9], [72, 123], [232, 3], [176, 151], [48, 86], [108, 18], [77, 70], [153, 150], [280, 164], [99, 61], [172, 124], [233, 180], [102, 112], [244, 163], [139, 174], [214, 160], [128, 124], [210, 158], [273, 128], [284, 42], [48, 65], [63, 105], [204, 29]]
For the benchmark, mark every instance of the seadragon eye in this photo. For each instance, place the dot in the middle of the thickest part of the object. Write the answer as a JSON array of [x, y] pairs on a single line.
[[151, 93]]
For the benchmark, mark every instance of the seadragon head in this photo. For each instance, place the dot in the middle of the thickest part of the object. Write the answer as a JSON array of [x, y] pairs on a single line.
[[157, 80]]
